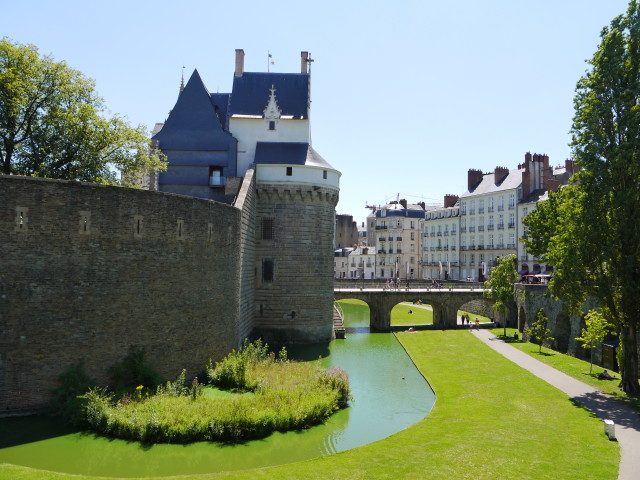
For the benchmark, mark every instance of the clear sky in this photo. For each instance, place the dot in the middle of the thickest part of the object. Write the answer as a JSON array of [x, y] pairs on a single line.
[[406, 95]]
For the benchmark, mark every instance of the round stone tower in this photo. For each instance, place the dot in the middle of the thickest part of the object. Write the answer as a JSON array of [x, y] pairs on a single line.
[[295, 217]]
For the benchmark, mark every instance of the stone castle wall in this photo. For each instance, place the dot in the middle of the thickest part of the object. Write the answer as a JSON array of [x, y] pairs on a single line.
[[296, 304], [246, 202], [87, 271]]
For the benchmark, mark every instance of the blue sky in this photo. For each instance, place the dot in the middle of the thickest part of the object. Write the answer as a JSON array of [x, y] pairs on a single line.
[[406, 95]]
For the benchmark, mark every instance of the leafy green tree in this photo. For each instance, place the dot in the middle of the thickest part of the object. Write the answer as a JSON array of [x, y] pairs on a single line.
[[499, 287], [53, 124], [539, 330], [597, 328], [593, 242]]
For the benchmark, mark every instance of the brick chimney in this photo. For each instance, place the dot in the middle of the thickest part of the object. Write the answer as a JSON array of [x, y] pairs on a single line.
[[403, 202], [423, 205], [239, 62], [526, 176], [450, 200], [499, 174], [474, 177], [304, 62]]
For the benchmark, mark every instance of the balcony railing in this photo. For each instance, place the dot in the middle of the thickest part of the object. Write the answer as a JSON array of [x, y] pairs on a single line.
[[480, 247], [481, 228], [490, 227], [472, 229], [446, 233], [500, 208], [439, 234], [463, 229], [501, 226], [463, 247], [382, 251], [382, 239], [500, 246], [398, 250], [512, 224], [398, 239], [490, 209], [453, 248], [381, 227], [511, 245], [524, 258]]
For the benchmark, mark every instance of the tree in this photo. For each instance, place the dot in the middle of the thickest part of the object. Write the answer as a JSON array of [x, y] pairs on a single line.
[[52, 124], [539, 330], [594, 245], [597, 328], [499, 287]]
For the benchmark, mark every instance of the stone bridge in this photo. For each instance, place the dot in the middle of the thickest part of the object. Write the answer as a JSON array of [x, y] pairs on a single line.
[[445, 303]]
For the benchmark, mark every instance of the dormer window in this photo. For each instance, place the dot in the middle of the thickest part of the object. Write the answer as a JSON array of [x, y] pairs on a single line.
[[272, 124], [289, 171]]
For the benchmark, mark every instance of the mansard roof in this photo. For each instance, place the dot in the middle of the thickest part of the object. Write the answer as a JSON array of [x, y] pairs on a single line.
[[289, 153], [488, 185], [251, 94], [194, 123]]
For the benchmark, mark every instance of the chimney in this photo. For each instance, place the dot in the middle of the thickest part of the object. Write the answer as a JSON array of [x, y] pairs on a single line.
[[403, 202], [499, 174], [474, 177], [450, 200], [423, 205], [304, 62], [365, 251], [570, 165], [239, 62]]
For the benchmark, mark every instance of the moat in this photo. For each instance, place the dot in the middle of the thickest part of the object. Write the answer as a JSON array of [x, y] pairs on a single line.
[[389, 395]]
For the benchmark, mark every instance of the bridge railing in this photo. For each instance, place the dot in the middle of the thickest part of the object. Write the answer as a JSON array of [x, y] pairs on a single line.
[[380, 284]]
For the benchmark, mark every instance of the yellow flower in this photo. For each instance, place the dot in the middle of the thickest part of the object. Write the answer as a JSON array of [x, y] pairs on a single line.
[[139, 387]]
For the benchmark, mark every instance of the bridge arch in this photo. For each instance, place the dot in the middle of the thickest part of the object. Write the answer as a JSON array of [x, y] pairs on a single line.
[[445, 303]]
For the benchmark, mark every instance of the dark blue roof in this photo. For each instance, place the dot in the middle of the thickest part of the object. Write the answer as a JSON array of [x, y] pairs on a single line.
[[289, 153], [193, 124], [221, 101], [251, 93], [402, 212]]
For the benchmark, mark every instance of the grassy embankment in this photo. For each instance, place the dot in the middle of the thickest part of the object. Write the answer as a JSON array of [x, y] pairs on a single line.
[[263, 394], [491, 420], [574, 367]]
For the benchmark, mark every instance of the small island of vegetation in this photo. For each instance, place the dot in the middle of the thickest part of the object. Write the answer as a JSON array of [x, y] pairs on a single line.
[[251, 394]]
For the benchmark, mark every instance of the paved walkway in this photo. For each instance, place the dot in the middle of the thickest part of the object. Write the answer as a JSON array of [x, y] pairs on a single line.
[[627, 421]]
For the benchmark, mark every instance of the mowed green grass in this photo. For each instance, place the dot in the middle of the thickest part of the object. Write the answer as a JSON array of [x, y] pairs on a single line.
[[574, 367], [421, 315], [492, 420]]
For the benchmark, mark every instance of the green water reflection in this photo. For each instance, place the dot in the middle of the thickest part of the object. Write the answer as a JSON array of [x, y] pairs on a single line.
[[389, 395]]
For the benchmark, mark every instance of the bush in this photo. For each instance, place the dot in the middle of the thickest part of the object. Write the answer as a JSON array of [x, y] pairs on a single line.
[[67, 398], [230, 372], [133, 371]]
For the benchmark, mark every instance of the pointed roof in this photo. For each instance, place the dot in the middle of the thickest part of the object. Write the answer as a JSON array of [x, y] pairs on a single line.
[[193, 124]]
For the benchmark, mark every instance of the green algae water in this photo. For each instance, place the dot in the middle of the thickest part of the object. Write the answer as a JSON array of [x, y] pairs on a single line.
[[389, 395]]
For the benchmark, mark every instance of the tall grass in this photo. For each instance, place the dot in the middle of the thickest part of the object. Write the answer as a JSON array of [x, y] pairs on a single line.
[[272, 394]]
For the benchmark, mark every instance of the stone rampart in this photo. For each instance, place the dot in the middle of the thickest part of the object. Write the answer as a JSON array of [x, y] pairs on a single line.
[[87, 271]]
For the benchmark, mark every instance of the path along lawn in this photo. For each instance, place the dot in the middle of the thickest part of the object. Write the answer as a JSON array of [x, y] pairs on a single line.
[[492, 420], [574, 367]]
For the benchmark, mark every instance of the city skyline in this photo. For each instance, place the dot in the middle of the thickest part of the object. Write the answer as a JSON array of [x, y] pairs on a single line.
[[404, 99]]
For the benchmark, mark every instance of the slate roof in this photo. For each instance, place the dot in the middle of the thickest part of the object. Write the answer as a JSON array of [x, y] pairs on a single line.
[[221, 101], [512, 181], [289, 153], [397, 210], [251, 93], [194, 122]]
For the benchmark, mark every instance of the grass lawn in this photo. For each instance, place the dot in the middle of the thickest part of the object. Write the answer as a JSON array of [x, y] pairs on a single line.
[[574, 367], [421, 315], [492, 420], [473, 316]]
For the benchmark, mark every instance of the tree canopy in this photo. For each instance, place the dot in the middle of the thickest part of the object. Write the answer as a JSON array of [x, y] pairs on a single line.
[[590, 230], [499, 287], [53, 124]]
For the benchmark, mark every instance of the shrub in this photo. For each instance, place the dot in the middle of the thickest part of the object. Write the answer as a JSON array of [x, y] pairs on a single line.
[[67, 398], [230, 372], [133, 371]]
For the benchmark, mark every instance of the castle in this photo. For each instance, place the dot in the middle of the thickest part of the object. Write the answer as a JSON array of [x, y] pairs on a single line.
[[238, 242]]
